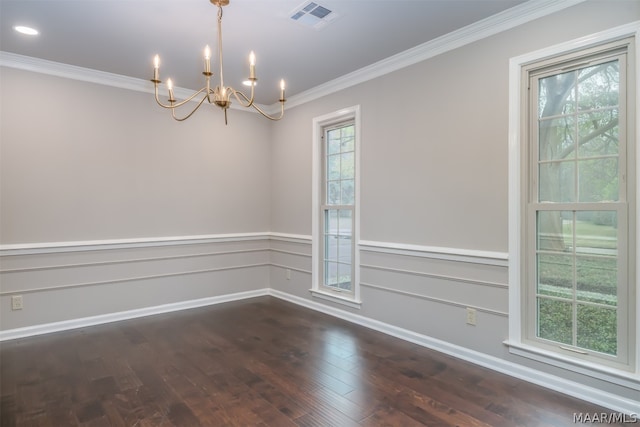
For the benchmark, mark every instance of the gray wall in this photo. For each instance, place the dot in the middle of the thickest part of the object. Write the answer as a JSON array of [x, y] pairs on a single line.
[[434, 173], [82, 162]]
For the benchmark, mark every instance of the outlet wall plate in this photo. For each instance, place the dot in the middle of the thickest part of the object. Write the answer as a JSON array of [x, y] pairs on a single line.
[[471, 316], [17, 302]]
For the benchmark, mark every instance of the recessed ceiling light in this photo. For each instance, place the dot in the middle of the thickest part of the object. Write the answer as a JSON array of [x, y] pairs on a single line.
[[26, 30]]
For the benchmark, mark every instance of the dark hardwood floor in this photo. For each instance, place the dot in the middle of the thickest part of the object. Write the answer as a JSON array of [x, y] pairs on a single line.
[[258, 362]]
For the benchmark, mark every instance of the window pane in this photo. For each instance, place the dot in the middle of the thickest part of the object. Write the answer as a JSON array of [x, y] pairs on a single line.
[[555, 275], [333, 193], [348, 140], [554, 230], [347, 166], [333, 141], [331, 221], [557, 94], [330, 248], [345, 250], [345, 222], [598, 133], [333, 167], [597, 280], [344, 276], [597, 329], [557, 138], [598, 180], [599, 86], [330, 273], [348, 192], [554, 320], [597, 233], [557, 182]]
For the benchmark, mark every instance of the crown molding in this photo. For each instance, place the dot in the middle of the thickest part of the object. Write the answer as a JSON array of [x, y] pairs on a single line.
[[495, 24], [487, 27], [59, 69]]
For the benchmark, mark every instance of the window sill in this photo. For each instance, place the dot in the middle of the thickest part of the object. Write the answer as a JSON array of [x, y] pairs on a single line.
[[337, 298], [610, 374]]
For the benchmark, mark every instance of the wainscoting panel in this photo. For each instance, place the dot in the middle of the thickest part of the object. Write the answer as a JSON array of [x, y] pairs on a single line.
[[422, 289], [64, 282], [291, 264], [430, 290], [484, 296]]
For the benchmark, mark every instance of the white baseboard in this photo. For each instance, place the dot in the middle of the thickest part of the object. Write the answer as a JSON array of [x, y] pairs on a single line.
[[571, 388], [125, 315]]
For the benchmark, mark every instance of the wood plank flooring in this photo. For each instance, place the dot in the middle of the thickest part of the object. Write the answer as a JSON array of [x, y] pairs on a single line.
[[258, 362]]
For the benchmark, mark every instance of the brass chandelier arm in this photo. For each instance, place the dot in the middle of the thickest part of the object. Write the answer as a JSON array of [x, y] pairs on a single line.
[[275, 119], [173, 105], [173, 111], [237, 94]]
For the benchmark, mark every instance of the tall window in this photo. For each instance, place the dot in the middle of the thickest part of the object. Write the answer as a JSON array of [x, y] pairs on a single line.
[[338, 207], [335, 220], [578, 236]]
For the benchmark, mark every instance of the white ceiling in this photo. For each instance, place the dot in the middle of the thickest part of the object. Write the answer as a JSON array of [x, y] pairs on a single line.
[[122, 36]]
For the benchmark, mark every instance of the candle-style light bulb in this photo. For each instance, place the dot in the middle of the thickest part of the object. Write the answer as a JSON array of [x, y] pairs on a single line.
[[282, 89], [207, 59], [170, 88], [156, 66], [252, 65]]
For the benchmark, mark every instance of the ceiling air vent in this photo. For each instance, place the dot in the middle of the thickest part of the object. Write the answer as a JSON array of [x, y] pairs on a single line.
[[312, 15]]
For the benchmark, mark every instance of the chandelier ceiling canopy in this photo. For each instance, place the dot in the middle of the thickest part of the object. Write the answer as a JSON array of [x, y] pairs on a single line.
[[221, 94]]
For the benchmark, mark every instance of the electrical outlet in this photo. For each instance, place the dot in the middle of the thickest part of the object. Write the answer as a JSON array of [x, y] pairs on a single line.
[[16, 302], [288, 273], [471, 316]]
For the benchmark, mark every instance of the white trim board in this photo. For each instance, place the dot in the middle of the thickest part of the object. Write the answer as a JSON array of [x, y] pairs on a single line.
[[98, 245], [449, 254], [487, 27], [66, 325]]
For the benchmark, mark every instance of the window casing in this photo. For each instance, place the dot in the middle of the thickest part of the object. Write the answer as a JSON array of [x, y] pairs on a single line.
[[578, 213], [335, 215]]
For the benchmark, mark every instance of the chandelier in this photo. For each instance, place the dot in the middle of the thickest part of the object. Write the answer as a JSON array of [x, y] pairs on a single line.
[[221, 95]]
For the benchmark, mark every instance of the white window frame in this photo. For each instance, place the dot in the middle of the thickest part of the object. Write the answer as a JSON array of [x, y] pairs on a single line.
[[628, 374], [320, 124]]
